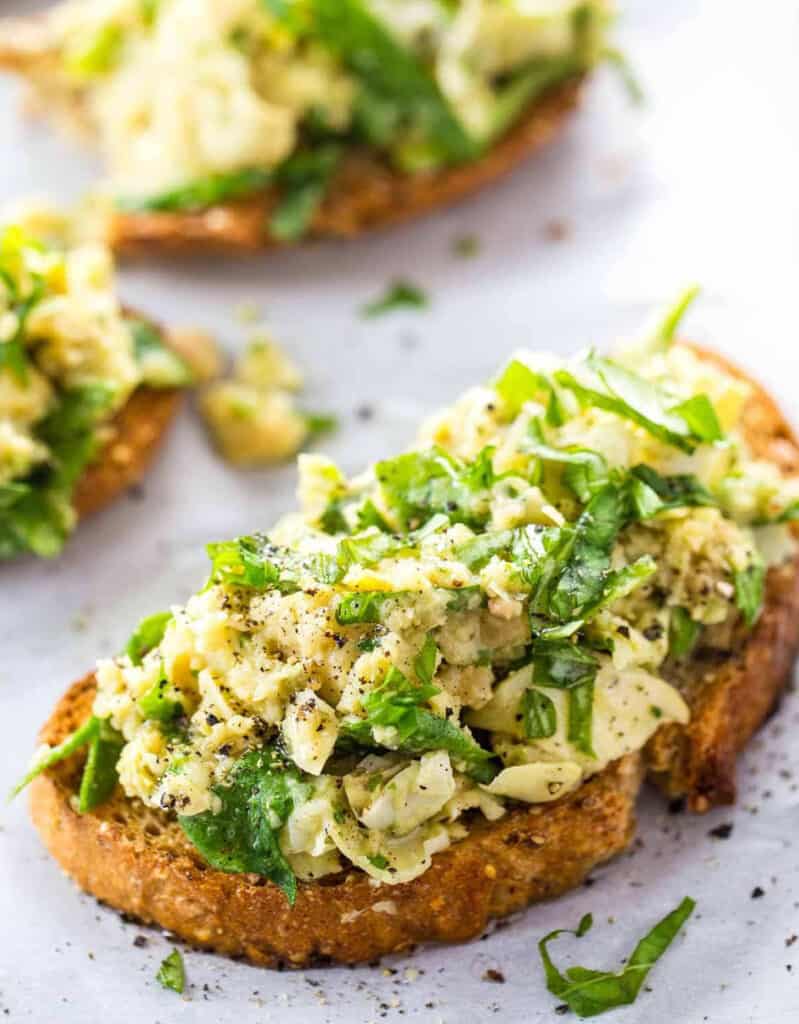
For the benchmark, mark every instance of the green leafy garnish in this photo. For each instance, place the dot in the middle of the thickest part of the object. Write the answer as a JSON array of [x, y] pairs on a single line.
[[256, 800], [564, 666], [100, 777], [683, 632], [363, 606], [589, 993], [618, 390], [666, 328], [396, 703], [419, 485], [303, 180], [148, 635], [651, 493], [391, 73], [160, 703], [252, 562], [750, 588], [539, 717], [160, 365], [399, 295], [424, 664], [200, 194], [172, 974], [99, 773]]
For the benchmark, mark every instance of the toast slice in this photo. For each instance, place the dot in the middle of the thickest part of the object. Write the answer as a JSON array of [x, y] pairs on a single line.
[[137, 431], [731, 692], [365, 194], [139, 861]]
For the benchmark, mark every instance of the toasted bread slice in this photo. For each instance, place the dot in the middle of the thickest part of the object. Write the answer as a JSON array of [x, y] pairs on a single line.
[[731, 693], [366, 193], [136, 432], [139, 861]]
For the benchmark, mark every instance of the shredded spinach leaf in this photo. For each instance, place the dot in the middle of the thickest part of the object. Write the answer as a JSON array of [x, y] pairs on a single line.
[[589, 993]]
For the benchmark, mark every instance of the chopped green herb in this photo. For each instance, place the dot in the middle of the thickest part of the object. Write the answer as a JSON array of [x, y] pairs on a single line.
[[171, 973], [148, 635], [74, 742], [255, 802], [399, 295], [424, 664], [539, 716], [683, 632], [589, 993], [100, 777], [201, 194], [750, 586]]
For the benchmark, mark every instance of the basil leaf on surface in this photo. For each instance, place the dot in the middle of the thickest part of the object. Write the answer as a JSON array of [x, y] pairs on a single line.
[[364, 606], [563, 665], [651, 493], [589, 993], [399, 295], [256, 801], [160, 703], [172, 974], [148, 635]]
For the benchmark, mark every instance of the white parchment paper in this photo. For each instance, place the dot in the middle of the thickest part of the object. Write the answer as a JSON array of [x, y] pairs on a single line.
[[630, 205]]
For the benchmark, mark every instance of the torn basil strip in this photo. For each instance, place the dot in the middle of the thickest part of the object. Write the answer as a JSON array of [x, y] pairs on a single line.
[[200, 194], [610, 386], [683, 632], [539, 717], [589, 993], [565, 666], [750, 590], [148, 635]]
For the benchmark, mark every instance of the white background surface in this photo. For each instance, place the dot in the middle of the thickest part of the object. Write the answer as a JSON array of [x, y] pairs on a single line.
[[700, 184]]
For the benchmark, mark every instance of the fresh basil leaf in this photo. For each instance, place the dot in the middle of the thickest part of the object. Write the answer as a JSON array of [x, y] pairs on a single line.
[[160, 365], [11, 493], [363, 43], [364, 606], [518, 384], [563, 665], [651, 493], [524, 88], [255, 802], [252, 562], [585, 471], [396, 703], [683, 632], [100, 776], [419, 485], [304, 179], [172, 974], [539, 717], [750, 589], [148, 634], [582, 579], [399, 295], [666, 328], [424, 664], [160, 703], [477, 552], [74, 742], [201, 194], [589, 993], [618, 390], [464, 599]]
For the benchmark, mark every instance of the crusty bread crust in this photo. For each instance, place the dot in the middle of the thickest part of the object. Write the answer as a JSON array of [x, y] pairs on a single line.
[[365, 195], [136, 432], [140, 862], [730, 697]]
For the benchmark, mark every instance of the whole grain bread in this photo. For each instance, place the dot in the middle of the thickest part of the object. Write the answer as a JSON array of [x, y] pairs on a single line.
[[366, 193], [140, 862]]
